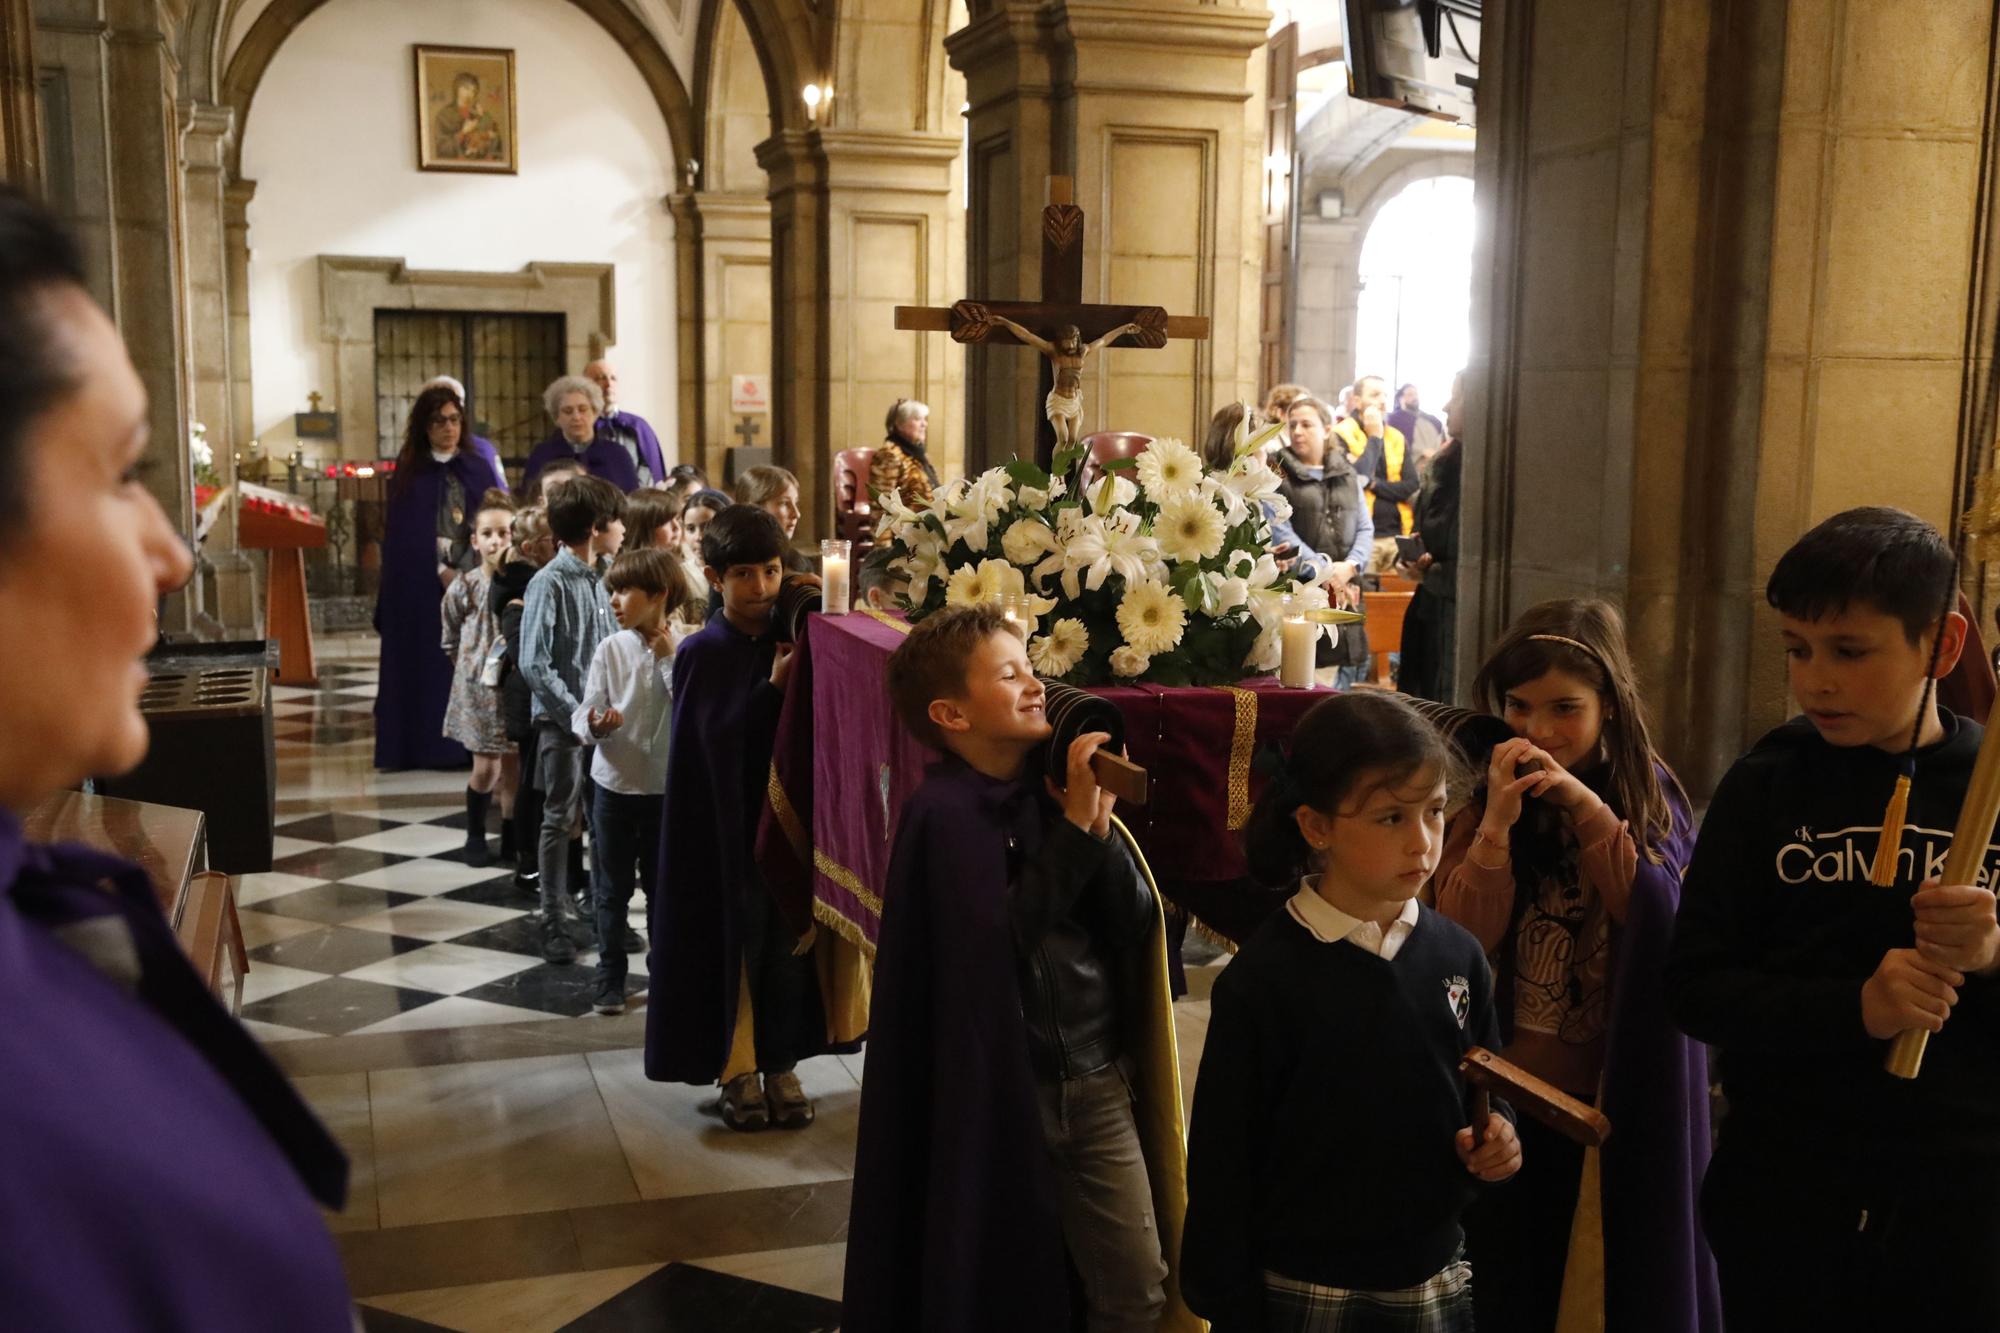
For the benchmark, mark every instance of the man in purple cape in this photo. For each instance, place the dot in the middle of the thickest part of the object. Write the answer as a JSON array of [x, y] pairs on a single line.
[[431, 504], [161, 1172]]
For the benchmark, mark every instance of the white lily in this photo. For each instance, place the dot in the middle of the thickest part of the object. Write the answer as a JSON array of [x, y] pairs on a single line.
[[1227, 595], [1251, 480], [1110, 494], [974, 510], [1091, 548]]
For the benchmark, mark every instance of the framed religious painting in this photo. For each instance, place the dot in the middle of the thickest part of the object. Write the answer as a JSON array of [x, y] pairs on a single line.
[[465, 110]]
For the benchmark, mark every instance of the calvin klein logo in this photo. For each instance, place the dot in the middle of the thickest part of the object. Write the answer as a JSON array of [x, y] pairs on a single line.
[[1847, 856]]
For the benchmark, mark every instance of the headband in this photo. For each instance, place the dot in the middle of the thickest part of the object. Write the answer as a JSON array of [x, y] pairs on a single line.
[[1567, 642]]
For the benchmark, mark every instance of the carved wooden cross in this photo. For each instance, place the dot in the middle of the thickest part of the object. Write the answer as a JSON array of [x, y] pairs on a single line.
[[1061, 305]]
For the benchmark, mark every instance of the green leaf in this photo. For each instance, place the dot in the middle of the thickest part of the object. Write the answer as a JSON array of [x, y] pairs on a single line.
[[1023, 472], [1065, 460], [1118, 465]]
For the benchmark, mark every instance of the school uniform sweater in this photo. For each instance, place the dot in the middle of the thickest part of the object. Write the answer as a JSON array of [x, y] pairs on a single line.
[[1778, 929], [1322, 1145]]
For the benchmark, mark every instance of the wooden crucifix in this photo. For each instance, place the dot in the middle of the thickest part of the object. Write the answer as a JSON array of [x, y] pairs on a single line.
[[1060, 326]]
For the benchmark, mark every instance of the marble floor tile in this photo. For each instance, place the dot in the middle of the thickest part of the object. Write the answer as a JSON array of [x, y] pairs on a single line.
[[341, 1103], [260, 887], [500, 1137], [410, 840], [333, 826], [423, 814], [431, 919], [449, 969], [335, 862], [291, 692], [455, 1254], [335, 903], [264, 980], [332, 949], [424, 877], [336, 1005], [678, 1146], [276, 1032], [524, 1305], [567, 989], [683, 1299], [522, 933], [286, 845], [815, 1269], [262, 928], [456, 1011], [497, 891]]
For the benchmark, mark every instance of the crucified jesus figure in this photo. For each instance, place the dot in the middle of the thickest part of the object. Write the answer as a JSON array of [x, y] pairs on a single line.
[[1067, 355]]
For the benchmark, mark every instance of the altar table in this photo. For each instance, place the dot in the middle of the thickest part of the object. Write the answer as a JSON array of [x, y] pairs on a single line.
[[844, 766]]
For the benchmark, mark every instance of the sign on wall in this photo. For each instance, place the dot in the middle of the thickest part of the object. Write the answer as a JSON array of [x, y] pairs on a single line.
[[750, 394]]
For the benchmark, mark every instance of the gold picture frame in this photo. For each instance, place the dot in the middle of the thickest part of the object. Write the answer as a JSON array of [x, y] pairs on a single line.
[[465, 110]]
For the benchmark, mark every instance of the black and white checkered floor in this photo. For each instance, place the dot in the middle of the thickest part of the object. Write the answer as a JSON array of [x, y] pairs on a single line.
[[370, 920]]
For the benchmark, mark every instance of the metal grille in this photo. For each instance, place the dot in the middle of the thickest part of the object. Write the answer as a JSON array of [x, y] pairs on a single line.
[[504, 361]]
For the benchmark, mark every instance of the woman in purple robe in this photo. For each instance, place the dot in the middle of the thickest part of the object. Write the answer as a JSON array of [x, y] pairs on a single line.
[[431, 502], [160, 1172]]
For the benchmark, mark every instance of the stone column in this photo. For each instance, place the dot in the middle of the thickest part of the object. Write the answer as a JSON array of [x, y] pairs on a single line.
[[236, 259], [1325, 265], [205, 144], [723, 240], [20, 138], [1154, 109], [858, 227]]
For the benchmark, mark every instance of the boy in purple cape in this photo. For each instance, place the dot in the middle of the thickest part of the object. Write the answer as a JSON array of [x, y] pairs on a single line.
[[733, 999], [431, 502], [1013, 1117]]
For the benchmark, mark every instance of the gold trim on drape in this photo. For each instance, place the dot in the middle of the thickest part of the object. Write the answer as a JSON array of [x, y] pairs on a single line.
[[1242, 746]]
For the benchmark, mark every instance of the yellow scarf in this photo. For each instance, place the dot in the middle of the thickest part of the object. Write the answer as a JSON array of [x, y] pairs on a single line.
[[1356, 439]]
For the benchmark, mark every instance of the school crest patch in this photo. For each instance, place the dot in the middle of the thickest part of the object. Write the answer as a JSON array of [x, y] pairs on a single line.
[[1458, 994]]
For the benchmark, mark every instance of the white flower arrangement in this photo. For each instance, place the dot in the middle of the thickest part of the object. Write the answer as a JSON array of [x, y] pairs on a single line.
[[1158, 571]]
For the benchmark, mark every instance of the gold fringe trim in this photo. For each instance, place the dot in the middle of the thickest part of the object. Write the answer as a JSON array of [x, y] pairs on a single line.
[[1883, 873], [1210, 933], [900, 626], [848, 880], [1241, 746], [788, 817], [829, 916]]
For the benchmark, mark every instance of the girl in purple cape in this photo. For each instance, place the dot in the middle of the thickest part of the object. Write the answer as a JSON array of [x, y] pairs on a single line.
[[160, 1171], [424, 547], [1567, 866]]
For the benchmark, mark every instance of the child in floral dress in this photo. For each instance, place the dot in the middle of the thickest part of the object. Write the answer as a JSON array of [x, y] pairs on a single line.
[[472, 717]]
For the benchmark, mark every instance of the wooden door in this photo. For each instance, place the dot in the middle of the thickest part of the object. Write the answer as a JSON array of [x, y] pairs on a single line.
[[1280, 214]]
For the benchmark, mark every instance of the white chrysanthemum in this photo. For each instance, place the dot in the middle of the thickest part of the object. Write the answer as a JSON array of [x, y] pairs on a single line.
[[973, 585], [1152, 617], [1129, 662], [1027, 540], [1169, 469], [1190, 528], [1057, 652]]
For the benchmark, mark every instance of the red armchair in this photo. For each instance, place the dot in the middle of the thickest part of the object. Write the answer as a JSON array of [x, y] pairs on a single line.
[[853, 506]]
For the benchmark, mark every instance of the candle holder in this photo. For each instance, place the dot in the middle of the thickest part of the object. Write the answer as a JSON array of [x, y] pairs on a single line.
[[835, 555], [1298, 639], [1014, 607]]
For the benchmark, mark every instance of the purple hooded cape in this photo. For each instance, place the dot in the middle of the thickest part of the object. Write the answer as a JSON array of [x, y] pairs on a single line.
[[160, 1172], [954, 1222], [604, 456], [484, 448], [725, 723], [415, 681]]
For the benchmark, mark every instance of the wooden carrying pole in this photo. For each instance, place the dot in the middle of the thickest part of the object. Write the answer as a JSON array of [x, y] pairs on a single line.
[[1961, 866]]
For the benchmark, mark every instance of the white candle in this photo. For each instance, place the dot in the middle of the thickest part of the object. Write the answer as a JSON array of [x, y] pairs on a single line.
[[834, 594], [1298, 637]]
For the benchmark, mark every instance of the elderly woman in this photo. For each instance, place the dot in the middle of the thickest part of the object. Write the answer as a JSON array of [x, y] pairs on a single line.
[[160, 1171], [424, 543], [583, 434], [901, 463]]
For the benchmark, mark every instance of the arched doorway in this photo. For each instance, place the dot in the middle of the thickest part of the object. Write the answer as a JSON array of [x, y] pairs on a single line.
[[1413, 316]]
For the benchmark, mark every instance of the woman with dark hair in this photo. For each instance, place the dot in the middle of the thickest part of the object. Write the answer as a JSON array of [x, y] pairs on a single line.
[[424, 545], [160, 1171]]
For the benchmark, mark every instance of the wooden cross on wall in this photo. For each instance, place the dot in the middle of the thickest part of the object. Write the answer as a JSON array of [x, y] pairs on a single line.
[[1061, 304]]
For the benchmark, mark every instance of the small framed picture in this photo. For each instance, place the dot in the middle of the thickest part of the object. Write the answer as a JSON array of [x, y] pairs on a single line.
[[465, 109]]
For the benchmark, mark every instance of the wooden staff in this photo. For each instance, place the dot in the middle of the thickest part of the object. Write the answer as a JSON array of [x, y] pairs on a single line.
[[1961, 866]]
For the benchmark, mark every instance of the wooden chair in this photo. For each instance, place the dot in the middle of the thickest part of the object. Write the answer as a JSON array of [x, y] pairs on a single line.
[[1385, 612], [1108, 445], [853, 509], [1396, 583], [209, 932]]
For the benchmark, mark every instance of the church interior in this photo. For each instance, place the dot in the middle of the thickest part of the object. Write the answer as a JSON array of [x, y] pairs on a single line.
[[1677, 266]]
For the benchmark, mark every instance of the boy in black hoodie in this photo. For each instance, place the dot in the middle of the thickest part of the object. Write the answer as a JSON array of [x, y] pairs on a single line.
[[1841, 1197]]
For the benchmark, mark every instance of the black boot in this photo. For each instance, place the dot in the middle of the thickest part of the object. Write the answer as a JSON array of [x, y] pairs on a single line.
[[477, 853], [528, 820], [507, 850]]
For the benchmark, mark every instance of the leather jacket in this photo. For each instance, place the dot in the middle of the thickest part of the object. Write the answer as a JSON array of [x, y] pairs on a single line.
[[1078, 906]]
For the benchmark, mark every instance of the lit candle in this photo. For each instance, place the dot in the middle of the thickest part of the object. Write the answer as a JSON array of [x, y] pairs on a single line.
[[834, 594], [1298, 638]]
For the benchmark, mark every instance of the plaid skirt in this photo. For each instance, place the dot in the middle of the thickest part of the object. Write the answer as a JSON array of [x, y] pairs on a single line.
[[1441, 1305]]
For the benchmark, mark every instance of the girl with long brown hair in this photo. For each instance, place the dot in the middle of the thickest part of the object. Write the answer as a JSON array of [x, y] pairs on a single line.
[[1566, 865]]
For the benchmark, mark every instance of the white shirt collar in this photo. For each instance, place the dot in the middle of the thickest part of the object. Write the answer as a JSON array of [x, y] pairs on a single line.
[[1329, 925]]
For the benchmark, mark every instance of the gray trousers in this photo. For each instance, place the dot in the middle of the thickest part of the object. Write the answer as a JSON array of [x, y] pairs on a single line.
[[559, 760], [1105, 1199]]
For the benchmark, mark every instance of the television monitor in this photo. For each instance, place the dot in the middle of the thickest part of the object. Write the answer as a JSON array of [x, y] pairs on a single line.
[[1416, 55]]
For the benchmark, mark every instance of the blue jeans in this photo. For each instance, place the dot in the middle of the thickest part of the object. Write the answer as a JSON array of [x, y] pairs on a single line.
[[627, 833]]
